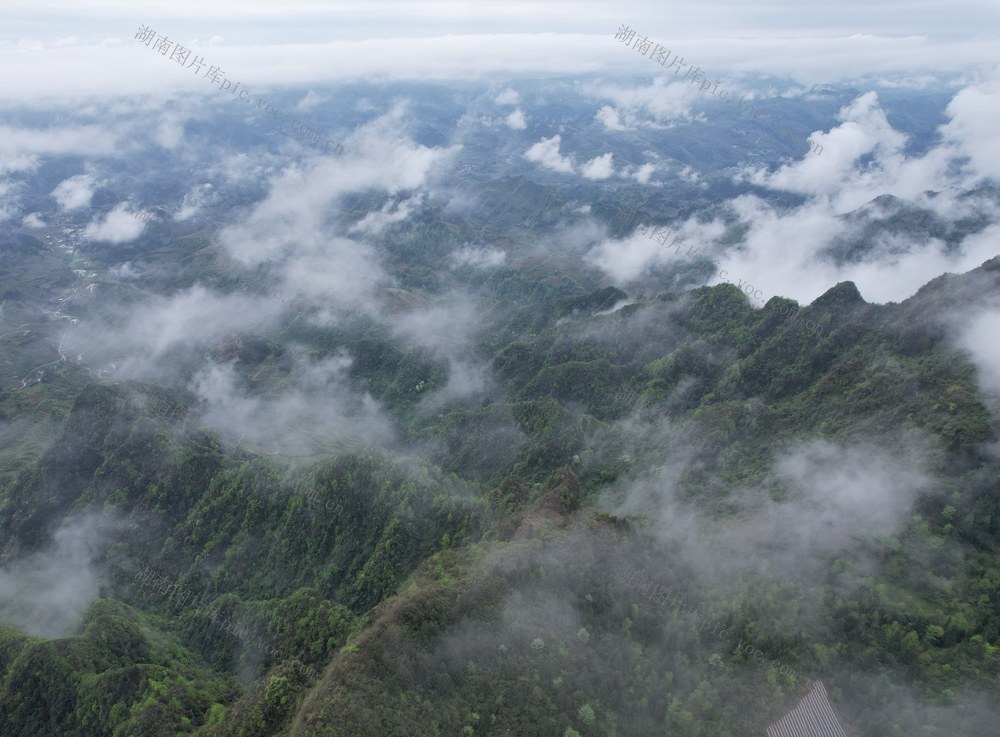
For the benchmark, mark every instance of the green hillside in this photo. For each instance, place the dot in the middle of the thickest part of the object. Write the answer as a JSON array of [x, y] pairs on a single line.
[[586, 556]]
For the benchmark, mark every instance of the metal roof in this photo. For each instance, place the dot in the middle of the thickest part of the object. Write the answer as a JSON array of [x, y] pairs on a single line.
[[813, 717]]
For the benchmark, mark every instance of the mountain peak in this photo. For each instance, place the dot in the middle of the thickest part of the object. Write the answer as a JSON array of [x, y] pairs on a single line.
[[843, 294]]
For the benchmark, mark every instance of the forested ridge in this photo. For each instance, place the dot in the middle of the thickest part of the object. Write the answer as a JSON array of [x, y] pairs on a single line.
[[496, 571]]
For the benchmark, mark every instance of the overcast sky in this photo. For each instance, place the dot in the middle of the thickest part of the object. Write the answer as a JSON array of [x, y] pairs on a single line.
[[267, 21], [54, 50]]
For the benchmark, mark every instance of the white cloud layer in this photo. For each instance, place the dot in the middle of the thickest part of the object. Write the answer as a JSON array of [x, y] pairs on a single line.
[[45, 73], [546, 153], [600, 167], [47, 593], [20, 147], [515, 121], [507, 97], [479, 258], [785, 249], [315, 414], [118, 226], [980, 336], [75, 192]]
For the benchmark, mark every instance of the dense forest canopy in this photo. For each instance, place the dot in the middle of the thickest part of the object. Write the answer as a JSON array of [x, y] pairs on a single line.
[[510, 384]]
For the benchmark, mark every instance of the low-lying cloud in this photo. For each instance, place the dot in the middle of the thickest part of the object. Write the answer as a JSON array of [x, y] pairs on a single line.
[[47, 593]]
